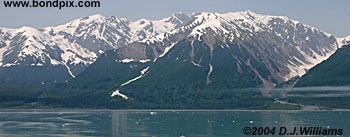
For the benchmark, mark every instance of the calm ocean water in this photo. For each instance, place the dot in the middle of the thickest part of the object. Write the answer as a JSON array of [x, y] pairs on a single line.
[[45, 123]]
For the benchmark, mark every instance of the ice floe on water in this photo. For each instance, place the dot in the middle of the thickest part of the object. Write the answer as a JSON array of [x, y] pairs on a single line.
[[153, 113]]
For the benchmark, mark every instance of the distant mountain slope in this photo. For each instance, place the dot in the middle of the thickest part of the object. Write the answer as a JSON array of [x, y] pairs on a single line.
[[71, 47], [335, 71], [216, 51], [233, 50]]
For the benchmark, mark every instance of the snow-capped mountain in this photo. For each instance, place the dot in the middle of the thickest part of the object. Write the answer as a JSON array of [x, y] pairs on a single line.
[[78, 43], [274, 48], [286, 47], [225, 51], [293, 47], [146, 29]]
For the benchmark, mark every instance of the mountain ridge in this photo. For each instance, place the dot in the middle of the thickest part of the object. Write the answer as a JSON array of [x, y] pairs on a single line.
[[204, 57], [227, 31], [77, 44]]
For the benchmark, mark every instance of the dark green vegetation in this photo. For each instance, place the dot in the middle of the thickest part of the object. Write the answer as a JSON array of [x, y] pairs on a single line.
[[93, 87], [32, 75], [168, 100], [335, 71], [27, 85], [12, 97], [171, 83], [174, 82], [176, 72]]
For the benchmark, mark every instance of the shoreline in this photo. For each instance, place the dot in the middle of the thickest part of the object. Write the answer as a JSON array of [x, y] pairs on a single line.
[[159, 110]]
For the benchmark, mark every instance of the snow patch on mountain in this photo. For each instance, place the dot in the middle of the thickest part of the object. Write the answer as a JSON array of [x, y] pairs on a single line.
[[127, 60], [117, 93], [303, 66], [343, 41], [347, 38], [81, 41], [166, 50], [142, 73], [154, 30], [209, 73], [73, 27], [246, 20]]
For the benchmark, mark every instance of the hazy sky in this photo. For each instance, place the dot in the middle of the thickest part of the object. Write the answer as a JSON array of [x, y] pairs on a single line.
[[332, 16]]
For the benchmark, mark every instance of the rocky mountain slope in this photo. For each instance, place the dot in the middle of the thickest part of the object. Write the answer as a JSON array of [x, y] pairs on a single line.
[[337, 68], [217, 51]]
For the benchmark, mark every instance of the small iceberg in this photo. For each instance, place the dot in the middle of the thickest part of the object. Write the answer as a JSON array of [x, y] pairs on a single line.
[[153, 113]]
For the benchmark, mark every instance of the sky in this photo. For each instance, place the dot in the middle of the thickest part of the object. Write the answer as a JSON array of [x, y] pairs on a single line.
[[332, 16]]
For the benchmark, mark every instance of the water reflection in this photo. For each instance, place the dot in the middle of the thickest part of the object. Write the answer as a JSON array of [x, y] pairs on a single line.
[[119, 123], [159, 124]]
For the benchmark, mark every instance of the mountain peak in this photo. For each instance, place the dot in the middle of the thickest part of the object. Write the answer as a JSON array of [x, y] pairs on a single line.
[[248, 20], [178, 19], [203, 14], [29, 31], [94, 17], [179, 14], [218, 21], [101, 18]]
